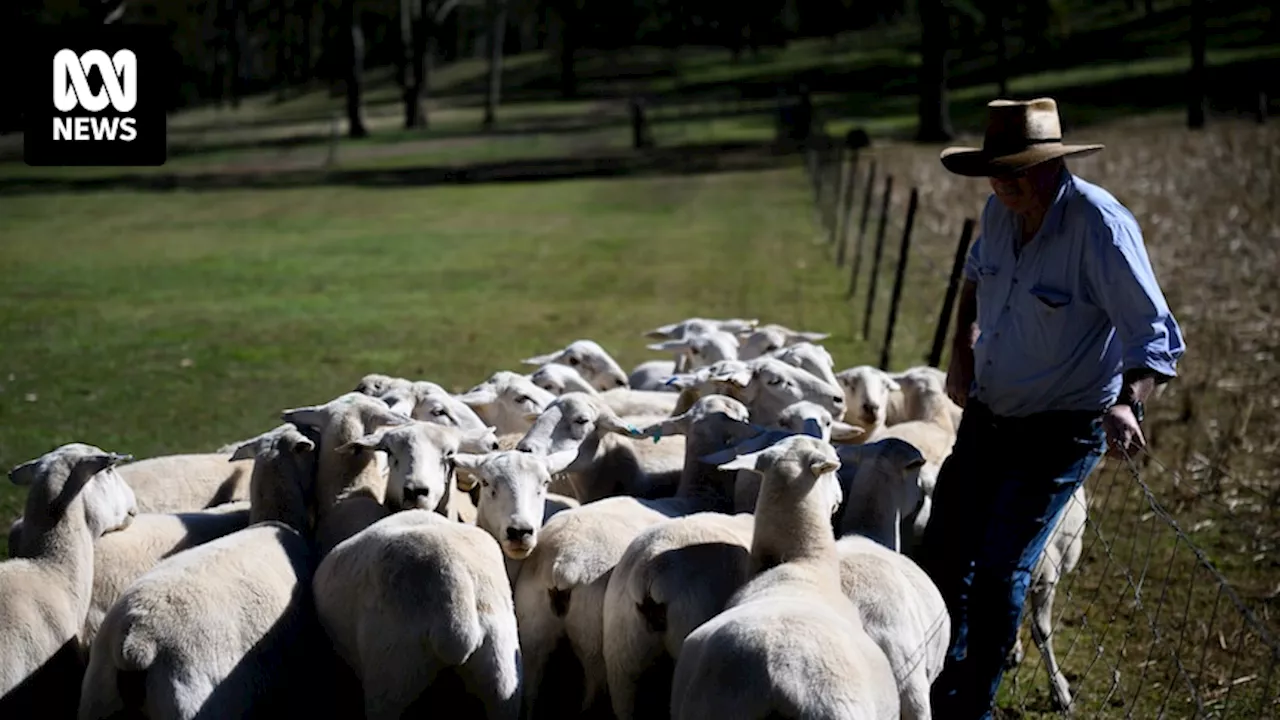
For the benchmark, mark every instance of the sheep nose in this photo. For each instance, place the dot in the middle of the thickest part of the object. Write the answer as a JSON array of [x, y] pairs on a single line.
[[870, 408], [523, 446], [622, 382], [519, 534]]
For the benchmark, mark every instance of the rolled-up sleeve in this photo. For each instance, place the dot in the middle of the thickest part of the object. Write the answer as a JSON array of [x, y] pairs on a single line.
[[1124, 285]]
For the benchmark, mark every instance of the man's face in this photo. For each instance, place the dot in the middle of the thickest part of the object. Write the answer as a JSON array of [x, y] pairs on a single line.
[[1023, 192]]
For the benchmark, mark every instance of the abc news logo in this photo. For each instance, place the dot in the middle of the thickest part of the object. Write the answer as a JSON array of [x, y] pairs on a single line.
[[103, 101]]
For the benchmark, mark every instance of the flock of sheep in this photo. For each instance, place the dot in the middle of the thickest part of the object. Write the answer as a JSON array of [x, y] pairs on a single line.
[[725, 534]]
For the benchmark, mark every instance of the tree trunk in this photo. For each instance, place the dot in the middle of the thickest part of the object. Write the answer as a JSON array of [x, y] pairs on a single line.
[[234, 50], [305, 10], [1002, 47], [282, 48], [568, 47], [355, 69], [221, 45], [497, 33], [1196, 78], [413, 28], [934, 113]]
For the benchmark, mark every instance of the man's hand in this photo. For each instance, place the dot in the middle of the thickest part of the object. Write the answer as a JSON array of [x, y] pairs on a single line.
[[960, 372], [1124, 435]]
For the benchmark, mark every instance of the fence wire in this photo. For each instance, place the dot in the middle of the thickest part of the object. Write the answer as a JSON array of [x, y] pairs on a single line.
[[1142, 622]]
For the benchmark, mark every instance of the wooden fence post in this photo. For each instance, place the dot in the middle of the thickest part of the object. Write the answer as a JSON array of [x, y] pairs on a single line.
[[862, 231], [953, 286], [897, 280], [835, 186], [846, 206], [875, 262]]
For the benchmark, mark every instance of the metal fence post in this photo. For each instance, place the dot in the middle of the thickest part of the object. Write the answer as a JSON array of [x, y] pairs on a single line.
[[953, 285], [846, 205], [897, 280], [862, 231], [875, 263]]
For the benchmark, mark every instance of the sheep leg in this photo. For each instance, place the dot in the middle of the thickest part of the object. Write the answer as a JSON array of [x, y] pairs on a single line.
[[493, 674], [1042, 633]]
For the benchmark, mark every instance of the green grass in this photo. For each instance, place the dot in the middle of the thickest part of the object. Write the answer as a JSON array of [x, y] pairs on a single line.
[[285, 298]]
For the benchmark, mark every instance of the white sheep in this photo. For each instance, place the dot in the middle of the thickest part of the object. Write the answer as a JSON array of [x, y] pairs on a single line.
[[1061, 554], [882, 491], [609, 461], [652, 374], [902, 612], [695, 350], [765, 385], [506, 401], [814, 359], [789, 642], [225, 628], [560, 589], [559, 379], [349, 489], [376, 384], [430, 402], [416, 603], [119, 558], [768, 338], [420, 471], [187, 482], [74, 497], [876, 398], [933, 433], [588, 358], [514, 503], [673, 577]]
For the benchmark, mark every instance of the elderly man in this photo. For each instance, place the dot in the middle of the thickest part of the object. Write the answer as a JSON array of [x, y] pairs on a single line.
[[1062, 333]]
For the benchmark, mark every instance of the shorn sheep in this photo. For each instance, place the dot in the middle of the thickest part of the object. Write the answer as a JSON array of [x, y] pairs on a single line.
[[561, 587], [420, 606], [672, 578], [221, 629], [349, 488], [74, 497], [765, 339], [559, 379], [609, 461], [588, 358], [652, 374], [789, 643], [506, 401]]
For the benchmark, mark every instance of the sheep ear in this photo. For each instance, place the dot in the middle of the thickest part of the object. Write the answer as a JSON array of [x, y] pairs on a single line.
[[25, 474], [823, 466], [478, 396], [670, 345], [664, 332], [468, 461], [892, 384], [245, 451], [372, 441], [675, 425], [478, 440], [541, 359], [682, 381], [812, 336], [559, 462], [609, 422], [750, 446], [749, 462], [310, 416], [843, 432], [739, 326]]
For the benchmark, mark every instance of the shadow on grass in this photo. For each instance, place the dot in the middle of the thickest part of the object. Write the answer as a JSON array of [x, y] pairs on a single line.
[[676, 160]]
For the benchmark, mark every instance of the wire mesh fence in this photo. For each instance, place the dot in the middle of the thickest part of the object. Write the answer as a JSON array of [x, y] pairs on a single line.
[[1134, 619]]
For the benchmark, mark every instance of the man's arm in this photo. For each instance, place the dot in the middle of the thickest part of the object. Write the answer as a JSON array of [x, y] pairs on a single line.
[[1124, 286], [960, 367]]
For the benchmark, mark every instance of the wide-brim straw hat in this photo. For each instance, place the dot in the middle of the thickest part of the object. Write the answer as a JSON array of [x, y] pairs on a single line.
[[1019, 134]]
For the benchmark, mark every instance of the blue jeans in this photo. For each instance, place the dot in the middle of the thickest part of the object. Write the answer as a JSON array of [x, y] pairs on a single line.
[[997, 497]]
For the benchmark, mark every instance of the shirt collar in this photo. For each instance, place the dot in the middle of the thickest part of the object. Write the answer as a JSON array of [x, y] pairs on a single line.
[[1066, 189]]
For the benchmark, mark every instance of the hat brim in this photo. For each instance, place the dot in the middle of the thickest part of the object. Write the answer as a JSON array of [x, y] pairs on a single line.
[[974, 162]]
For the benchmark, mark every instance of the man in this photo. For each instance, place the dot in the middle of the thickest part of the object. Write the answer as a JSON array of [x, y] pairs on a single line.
[[1062, 333]]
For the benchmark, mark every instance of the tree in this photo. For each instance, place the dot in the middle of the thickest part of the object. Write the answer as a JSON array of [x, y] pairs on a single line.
[[413, 40], [497, 33], [934, 113], [354, 37]]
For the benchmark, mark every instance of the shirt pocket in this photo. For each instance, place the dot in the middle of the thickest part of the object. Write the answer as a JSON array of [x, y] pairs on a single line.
[[1049, 298]]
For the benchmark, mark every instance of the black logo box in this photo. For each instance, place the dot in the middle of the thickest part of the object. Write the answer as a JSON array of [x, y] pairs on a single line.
[[154, 65]]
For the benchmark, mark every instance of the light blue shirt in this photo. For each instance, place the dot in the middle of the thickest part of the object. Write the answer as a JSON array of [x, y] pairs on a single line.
[[1078, 306]]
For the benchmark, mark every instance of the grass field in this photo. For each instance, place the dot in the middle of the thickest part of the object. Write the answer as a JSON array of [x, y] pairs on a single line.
[[151, 323]]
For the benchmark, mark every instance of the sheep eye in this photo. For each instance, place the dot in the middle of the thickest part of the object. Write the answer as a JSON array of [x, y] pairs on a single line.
[[573, 361], [771, 348], [438, 412], [775, 381], [693, 351], [522, 399], [581, 421], [484, 483]]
